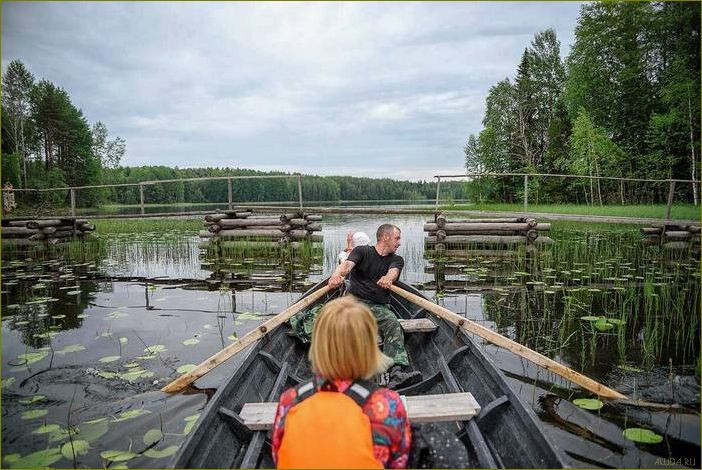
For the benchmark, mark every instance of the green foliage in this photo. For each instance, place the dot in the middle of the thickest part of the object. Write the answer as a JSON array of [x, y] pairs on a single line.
[[628, 105], [11, 169]]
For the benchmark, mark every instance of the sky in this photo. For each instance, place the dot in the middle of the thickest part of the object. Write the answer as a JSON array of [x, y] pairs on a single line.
[[358, 89]]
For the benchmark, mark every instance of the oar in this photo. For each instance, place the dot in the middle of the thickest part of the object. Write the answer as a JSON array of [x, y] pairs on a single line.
[[249, 338], [523, 351]]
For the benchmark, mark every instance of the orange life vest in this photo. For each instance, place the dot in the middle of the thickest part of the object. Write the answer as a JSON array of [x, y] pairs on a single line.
[[328, 430]]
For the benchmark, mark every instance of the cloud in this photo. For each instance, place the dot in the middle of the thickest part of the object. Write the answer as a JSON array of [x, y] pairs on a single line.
[[368, 89]]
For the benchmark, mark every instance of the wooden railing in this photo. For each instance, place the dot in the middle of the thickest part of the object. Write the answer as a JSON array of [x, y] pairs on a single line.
[[671, 182]]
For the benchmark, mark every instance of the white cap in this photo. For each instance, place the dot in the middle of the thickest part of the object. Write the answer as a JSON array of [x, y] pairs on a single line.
[[360, 239]]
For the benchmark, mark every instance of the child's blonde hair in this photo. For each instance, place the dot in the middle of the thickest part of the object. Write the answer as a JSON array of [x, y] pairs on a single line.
[[344, 342]]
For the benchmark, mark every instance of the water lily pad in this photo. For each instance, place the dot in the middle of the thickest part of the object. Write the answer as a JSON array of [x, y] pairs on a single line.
[[156, 348], [117, 455], [190, 423], [76, 447], [645, 436], [249, 316], [107, 359], [106, 375], [603, 325], [159, 454], [232, 337], [34, 399], [8, 381], [136, 374], [191, 341], [589, 318], [71, 348], [31, 358], [32, 414], [131, 414], [185, 368], [93, 430], [46, 429], [123, 340], [83, 315], [131, 365], [152, 436], [39, 459], [148, 356], [73, 292], [588, 403]]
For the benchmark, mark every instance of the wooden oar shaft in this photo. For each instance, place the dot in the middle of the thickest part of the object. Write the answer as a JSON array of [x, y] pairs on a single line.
[[249, 338], [499, 340]]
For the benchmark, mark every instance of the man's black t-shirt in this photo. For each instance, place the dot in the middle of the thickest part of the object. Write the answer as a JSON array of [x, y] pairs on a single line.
[[370, 267]]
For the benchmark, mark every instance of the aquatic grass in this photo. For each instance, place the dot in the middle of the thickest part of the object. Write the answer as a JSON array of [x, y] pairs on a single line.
[[152, 225], [644, 296]]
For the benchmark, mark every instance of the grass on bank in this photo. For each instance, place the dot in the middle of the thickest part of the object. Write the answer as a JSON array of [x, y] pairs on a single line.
[[678, 211]]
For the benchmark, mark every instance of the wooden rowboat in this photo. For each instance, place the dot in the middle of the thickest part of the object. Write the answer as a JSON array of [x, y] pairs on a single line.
[[504, 433]]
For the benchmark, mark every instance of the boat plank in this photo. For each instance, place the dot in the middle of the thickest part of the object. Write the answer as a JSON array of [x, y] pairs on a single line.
[[421, 409], [419, 325]]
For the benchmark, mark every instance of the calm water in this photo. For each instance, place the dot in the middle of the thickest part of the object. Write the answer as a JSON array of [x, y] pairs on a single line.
[[88, 342]]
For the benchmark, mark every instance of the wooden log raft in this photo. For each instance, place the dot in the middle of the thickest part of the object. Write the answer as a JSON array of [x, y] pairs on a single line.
[[672, 236], [444, 234], [240, 225], [48, 231]]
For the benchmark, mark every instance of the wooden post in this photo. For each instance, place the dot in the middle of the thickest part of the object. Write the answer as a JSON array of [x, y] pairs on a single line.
[[526, 192], [73, 202], [229, 192], [670, 200], [438, 185], [621, 190], [299, 189], [141, 198]]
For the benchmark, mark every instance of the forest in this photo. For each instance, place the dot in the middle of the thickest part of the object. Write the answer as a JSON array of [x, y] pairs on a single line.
[[625, 102]]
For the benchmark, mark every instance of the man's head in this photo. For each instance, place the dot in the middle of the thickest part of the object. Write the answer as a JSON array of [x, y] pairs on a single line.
[[388, 237]]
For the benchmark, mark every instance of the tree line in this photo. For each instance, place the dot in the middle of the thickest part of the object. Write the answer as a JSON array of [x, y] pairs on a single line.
[[284, 189], [624, 103]]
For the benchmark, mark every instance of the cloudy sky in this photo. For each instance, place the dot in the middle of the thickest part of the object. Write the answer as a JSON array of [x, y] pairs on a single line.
[[361, 89]]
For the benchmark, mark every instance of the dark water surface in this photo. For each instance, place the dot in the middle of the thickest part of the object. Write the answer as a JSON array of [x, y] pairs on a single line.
[[88, 342]]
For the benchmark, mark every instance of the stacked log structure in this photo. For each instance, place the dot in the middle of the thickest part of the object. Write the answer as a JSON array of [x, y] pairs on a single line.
[[672, 236], [27, 232], [483, 236], [239, 225]]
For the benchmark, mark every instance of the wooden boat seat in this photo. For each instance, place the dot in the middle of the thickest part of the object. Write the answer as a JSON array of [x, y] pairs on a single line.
[[421, 409], [419, 325]]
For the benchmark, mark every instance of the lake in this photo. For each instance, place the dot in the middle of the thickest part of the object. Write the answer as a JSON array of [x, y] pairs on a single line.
[[90, 336]]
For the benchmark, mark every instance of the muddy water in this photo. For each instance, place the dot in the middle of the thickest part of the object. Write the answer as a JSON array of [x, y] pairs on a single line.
[[86, 346]]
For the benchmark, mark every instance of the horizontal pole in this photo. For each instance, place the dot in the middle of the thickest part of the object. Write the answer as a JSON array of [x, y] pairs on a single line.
[[151, 182], [473, 175]]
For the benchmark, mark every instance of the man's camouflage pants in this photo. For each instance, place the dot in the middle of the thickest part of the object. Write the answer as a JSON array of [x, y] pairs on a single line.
[[388, 327]]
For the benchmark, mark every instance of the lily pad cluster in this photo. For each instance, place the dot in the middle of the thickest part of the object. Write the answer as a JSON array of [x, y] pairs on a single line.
[[603, 323]]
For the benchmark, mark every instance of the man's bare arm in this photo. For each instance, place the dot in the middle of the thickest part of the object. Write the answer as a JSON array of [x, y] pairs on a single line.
[[336, 279], [386, 281]]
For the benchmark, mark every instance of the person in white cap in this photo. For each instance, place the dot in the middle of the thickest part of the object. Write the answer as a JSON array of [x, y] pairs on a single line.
[[353, 239]]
